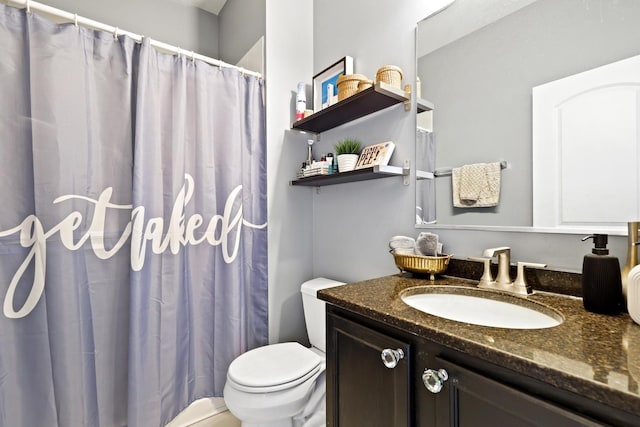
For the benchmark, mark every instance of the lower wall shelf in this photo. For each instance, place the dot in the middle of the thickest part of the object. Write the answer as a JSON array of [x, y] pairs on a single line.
[[373, 172]]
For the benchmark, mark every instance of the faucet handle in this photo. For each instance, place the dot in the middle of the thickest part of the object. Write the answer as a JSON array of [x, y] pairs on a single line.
[[520, 285], [487, 279], [491, 252]]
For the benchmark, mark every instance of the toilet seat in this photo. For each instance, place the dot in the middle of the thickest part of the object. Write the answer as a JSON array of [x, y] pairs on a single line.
[[274, 367]]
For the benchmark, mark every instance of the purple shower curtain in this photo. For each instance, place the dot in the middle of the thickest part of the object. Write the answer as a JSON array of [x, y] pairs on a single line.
[[132, 229]]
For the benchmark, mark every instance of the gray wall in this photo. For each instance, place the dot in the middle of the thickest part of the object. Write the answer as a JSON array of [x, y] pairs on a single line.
[[353, 222], [168, 21], [288, 60], [242, 23]]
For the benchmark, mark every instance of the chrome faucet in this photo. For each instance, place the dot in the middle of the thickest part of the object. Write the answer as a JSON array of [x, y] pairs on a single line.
[[503, 280]]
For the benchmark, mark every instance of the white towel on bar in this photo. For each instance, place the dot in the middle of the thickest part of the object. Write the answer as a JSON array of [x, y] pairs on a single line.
[[476, 185]]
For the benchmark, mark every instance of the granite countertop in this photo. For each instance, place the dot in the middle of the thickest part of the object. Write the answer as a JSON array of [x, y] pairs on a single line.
[[594, 355]]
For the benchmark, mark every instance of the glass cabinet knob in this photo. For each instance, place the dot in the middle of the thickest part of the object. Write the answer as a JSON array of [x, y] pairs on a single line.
[[391, 357], [434, 380]]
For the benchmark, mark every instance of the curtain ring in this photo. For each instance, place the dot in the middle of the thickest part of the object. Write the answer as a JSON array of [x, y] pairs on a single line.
[[75, 19], [193, 56], [179, 53], [28, 6], [115, 33]]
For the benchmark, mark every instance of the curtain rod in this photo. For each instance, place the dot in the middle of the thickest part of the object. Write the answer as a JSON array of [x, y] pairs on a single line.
[[86, 22]]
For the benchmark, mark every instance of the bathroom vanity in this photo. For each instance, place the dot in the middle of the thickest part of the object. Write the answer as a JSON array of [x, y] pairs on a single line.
[[584, 371]]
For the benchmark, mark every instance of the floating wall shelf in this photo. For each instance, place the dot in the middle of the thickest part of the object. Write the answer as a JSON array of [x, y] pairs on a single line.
[[364, 174], [375, 98]]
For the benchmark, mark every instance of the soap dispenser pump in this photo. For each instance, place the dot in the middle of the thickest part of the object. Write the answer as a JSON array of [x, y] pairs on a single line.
[[601, 279]]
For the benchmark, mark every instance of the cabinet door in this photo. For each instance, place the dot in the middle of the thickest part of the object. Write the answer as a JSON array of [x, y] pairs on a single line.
[[469, 400], [361, 390]]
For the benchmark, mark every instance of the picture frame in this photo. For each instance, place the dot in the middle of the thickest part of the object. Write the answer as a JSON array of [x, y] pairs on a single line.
[[328, 79]]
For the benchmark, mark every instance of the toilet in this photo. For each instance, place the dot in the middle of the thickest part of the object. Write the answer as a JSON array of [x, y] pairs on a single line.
[[268, 386]]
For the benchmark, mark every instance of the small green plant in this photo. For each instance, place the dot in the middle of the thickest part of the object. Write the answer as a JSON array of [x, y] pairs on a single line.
[[348, 146]]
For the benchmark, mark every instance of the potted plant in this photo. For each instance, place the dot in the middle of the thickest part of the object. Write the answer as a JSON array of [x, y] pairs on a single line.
[[347, 152]]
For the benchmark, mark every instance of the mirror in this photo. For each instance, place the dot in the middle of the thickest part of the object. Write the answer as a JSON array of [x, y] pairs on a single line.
[[478, 63]]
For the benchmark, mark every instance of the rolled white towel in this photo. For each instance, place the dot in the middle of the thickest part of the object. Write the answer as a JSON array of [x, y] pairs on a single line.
[[403, 245]]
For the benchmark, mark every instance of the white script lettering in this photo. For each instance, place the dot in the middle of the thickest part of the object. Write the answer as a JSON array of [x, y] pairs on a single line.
[[222, 230]]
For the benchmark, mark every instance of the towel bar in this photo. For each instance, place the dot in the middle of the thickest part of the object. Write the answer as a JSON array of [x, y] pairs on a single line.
[[447, 171]]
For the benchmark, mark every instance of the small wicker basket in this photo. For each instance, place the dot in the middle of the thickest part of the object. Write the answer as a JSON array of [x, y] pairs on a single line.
[[390, 74], [422, 264], [348, 85], [364, 84]]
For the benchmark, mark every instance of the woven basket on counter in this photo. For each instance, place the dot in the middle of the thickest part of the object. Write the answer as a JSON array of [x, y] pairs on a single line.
[[422, 264], [348, 85], [390, 74]]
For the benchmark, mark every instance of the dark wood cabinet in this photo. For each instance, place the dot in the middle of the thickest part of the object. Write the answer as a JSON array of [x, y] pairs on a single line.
[[361, 391], [470, 400], [365, 392]]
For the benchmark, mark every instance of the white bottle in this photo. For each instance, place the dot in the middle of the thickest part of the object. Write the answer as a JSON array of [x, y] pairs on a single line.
[[633, 294], [301, 101]]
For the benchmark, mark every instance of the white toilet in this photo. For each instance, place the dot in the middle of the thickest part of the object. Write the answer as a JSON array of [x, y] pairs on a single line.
[[268, 385]]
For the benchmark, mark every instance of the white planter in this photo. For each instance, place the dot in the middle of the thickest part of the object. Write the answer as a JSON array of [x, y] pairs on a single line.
[[347, 162]]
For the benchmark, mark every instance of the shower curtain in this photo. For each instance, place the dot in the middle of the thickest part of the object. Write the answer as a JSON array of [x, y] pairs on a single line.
[[132, 226]]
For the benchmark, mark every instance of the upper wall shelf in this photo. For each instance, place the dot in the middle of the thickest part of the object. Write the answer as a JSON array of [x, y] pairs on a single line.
[[376, 98]]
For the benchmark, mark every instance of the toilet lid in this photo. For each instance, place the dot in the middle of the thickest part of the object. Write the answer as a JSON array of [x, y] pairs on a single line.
[[274, 366]]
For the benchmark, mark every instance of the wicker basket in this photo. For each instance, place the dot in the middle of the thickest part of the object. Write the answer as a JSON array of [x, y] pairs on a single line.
[[364, 84], [348, 85], [390, 74], [422, 264]]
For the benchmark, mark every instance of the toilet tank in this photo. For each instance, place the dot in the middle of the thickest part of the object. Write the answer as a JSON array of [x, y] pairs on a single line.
[[314, 312]]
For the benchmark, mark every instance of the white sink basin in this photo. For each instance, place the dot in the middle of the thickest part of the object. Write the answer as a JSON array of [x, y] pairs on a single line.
[[481, 307]]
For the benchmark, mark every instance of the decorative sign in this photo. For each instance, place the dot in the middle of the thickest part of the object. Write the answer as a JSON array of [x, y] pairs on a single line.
[[376, 154]]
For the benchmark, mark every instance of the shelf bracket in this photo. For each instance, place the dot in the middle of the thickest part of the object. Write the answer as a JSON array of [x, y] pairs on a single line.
[[407, 93], [406, 169]]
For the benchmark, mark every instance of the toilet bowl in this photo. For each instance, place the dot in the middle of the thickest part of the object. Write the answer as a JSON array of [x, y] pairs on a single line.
[[268, 386]]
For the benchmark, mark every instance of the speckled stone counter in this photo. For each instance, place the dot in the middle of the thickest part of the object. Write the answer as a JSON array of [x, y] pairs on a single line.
[[596, 356]]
